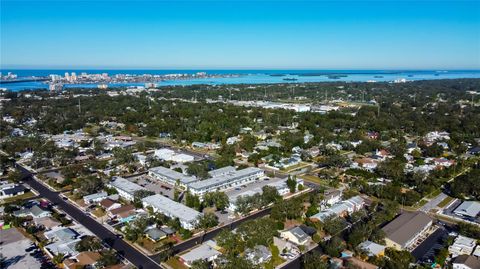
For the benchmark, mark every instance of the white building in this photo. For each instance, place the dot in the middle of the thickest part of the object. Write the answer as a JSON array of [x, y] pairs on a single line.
[[188, 217], [462, 246], [170, 176], [226, 181], [170, 155], [95, 198], [125, 188]]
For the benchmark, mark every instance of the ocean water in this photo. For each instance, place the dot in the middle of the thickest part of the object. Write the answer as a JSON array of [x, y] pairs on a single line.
[[249, 76]]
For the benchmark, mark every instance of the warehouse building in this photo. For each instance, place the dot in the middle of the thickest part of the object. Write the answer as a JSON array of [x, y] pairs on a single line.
[[188, 217]]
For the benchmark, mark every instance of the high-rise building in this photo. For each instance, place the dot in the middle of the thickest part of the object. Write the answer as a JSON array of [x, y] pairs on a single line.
[[67, 76], [73, 77]]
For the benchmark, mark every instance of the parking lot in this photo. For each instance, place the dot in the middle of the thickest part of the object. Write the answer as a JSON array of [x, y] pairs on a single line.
[[153, 185], [20, 253], [425, 251]]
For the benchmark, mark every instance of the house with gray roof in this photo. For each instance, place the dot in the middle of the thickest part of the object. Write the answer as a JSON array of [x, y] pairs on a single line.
[[295, 235], [35, 212], [206, 252], [466, 262], [469, 209], [372, 249], [258, 255]]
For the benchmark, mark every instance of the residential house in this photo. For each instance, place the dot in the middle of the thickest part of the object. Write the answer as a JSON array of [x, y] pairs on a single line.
[[109, 204], [462, 246], [95, 198], [155, 234], [34, 211], [469, 209], [206, 251], [372, 249], [296, 235], [466, 262], [258, 255], [85, 259], [124, 213]]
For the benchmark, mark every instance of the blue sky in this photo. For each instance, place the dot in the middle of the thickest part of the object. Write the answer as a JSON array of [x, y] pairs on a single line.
[[240, 34]]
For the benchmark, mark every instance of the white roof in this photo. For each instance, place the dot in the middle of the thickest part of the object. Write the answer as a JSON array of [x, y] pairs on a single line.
[[372, 248], [172, 208], [125, 185], [172, 174], [468, 208], [95, 196], [203, 252], [229, 177], [221, 171]]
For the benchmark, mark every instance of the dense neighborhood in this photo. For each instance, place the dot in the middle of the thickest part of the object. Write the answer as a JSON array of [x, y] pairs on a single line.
[[337, 175]]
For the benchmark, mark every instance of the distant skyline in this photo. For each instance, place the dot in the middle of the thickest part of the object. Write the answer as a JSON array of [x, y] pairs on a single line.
[[239, 34]]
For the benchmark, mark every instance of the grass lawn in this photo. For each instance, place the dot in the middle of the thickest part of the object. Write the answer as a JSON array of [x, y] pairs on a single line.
[[314, 179], [98, 212], [173, 262], [445, 202], [296, 167], [434, 194], [150, 245], [24, 196]]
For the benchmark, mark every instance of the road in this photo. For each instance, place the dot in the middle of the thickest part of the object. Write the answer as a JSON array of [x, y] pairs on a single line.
[[433, 203], [211, 234], [130, 253]]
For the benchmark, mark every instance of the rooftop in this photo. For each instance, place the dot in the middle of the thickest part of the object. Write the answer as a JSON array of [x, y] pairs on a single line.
[[228, 177], [172, 174], [172, 208], [403, 228], [125, 185], [468, 208], [204, 251]]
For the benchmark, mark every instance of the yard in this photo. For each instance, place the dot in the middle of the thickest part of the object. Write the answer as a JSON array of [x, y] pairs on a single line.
[[445, 202], [24, 196], [173, 262]]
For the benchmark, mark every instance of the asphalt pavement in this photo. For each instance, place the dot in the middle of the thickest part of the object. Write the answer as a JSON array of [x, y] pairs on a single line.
[[130, 253]]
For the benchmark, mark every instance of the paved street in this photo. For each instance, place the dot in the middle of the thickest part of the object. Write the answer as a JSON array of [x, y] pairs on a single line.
[[124, 249], [433, 203]]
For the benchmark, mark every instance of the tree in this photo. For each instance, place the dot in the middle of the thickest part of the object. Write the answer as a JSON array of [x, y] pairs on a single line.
[[236, 262], [314, 261], [15, 176], [269, 195], [334, 246], [58, 259], [218, 199], [123, 156], [231, 242], [206, 221], [333, 225], [108, 257], [88, 243], [200, 264], [292, 184]]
